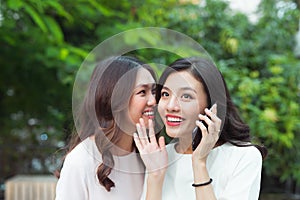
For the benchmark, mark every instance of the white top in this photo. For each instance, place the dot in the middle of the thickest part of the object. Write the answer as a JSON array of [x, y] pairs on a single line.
[[78, 179], [236, 173]]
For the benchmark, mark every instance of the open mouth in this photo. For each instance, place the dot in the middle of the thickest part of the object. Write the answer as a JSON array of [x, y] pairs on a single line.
[[173, 120], [148, 113]]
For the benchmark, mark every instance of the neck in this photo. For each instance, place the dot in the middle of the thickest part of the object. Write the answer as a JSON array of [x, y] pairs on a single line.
[[184, 146]]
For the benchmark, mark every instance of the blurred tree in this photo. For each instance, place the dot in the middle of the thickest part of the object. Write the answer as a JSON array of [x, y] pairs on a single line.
[[38, 66]]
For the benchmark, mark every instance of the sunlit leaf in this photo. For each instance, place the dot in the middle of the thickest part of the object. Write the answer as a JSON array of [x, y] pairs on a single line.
[[37, 18], [54, 29]]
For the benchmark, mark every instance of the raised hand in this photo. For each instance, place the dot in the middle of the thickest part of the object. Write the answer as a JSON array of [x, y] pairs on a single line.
[[153, 154], [210, 135]]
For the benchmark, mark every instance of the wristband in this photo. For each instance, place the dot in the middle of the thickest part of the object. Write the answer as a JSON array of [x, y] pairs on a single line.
[[202, 184]]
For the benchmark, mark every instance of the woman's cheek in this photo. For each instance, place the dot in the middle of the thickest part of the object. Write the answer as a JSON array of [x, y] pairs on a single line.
[[161, 108]]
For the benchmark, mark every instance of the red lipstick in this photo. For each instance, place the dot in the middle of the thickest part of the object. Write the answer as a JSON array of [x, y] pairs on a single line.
[[173, 120]]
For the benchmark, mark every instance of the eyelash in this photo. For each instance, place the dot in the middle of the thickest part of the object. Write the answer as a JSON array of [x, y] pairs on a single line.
[[187, 96], [184, 96], [164, 94], [142, 92]]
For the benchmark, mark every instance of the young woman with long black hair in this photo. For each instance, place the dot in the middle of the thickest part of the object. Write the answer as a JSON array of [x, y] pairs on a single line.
[[225, 165]]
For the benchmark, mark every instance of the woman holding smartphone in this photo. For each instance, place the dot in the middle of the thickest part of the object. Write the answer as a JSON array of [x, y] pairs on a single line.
[[224, 165]]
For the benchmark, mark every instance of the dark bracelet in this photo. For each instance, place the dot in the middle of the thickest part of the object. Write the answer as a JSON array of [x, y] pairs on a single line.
[[202, 184]]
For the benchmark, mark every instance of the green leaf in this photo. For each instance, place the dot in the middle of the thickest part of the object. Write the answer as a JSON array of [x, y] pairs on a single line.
[[81, 52], [105, 11], [14, 4], [60, 10], [55, 29], [36, 17], [52, 52], [64, 53]]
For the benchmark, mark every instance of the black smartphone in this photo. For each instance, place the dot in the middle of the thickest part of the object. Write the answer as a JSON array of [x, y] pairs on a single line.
[[197, 136]]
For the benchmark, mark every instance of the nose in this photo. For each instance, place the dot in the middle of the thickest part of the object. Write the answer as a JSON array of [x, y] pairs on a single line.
[[151, 100], [173, 105]]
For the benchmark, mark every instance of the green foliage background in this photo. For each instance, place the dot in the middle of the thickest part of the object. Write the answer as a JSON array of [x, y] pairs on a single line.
[[43, 43]]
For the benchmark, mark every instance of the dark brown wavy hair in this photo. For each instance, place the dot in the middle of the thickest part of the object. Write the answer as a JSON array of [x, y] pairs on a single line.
[[234, 129], [108, 95]]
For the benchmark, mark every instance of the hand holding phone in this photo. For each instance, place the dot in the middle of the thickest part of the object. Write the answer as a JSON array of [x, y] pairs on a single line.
[[197, 136]]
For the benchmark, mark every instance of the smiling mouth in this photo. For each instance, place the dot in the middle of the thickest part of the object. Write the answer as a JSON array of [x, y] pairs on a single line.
[[173, 120], [149, 113]]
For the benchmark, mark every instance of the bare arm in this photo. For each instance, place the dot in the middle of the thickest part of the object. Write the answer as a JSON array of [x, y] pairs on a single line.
[[154, 187], [210, 136], [201, 176]]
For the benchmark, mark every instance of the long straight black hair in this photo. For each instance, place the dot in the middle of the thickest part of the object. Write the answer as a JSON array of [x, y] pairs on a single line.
[[234, 129]]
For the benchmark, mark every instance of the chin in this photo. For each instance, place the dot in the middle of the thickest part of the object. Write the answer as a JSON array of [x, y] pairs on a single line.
[[172, 133]]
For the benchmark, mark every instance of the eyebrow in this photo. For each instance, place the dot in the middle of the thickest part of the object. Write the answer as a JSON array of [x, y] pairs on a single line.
[[183, 88]]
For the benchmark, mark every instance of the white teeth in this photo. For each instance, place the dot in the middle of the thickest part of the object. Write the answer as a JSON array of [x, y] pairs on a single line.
[[150, 113], [174, 119]]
